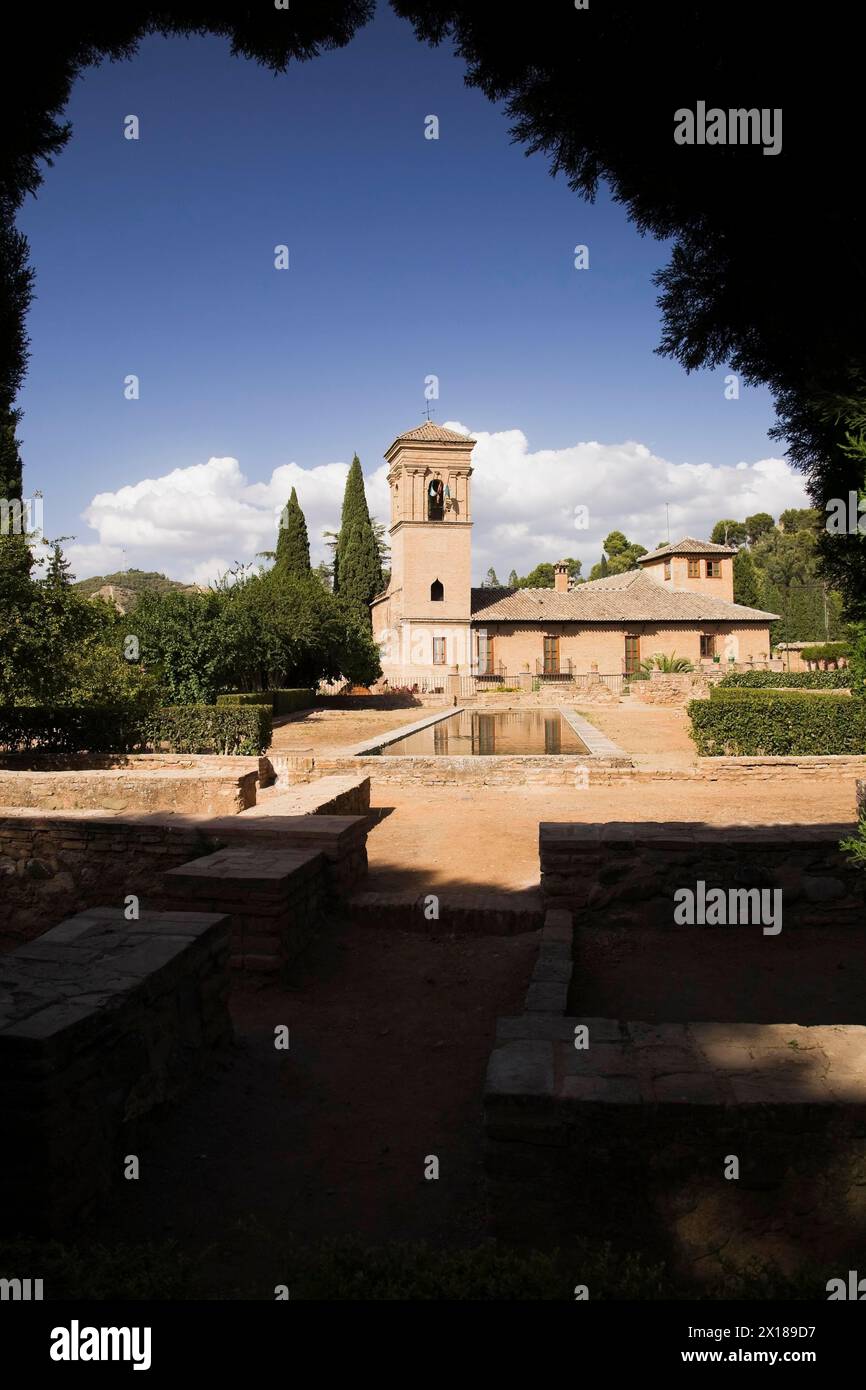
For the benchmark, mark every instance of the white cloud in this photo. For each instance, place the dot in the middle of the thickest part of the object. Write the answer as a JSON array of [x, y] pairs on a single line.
[[194, 523]]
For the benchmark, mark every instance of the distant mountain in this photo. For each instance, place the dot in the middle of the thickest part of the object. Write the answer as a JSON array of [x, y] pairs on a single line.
[[123, 588]]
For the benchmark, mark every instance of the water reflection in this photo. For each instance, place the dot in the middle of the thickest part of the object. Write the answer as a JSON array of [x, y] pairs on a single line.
[[476, 733]]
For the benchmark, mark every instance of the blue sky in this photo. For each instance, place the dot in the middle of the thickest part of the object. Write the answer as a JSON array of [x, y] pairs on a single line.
[[408, 257]]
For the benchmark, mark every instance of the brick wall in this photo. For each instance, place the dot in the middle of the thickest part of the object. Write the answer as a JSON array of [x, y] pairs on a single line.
[[102, 1021], [625, 874]]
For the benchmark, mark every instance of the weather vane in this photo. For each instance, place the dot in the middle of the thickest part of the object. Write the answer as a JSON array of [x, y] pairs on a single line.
[[427, 411]]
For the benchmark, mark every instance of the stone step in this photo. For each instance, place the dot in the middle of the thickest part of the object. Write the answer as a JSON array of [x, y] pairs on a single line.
[[481, 914], [333, 795]]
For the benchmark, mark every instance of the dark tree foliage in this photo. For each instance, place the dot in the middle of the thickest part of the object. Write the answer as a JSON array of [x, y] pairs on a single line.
[[42, 53], [293, 543], [357, 561], [767, 272]]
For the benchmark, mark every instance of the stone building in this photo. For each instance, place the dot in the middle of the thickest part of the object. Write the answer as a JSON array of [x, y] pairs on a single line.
[[431, 621]]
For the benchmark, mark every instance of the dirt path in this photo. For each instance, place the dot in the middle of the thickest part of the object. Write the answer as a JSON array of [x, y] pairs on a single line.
[[653, 735], [486, 838], [390, 1034], [334, 729]]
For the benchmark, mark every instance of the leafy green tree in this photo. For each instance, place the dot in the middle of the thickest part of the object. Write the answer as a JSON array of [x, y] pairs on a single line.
[[293, 543], [729, 532], [513, 580], [747, 587], [758, 525], [620, 555], [490, 580], [544, 575], [800, 519], [181, 640]]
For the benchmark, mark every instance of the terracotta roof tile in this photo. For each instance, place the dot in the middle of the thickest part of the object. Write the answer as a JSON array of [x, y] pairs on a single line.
[[432, 433], [629, 597], [688, 546]]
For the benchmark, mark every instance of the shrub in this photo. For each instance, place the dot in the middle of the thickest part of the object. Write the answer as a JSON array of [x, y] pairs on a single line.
[[117, 729], [279, 701], [71, 729], [788, 680], [662, 662], [764, 692], [247, 697], [223, 729], [827, 652], [784, 723], [855, 847]]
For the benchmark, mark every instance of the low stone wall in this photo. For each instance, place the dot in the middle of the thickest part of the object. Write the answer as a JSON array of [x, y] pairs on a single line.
[[201, 791], [463, 914], [626, 873], [674, 688], [551, 770], [774, 769], [54, 863], [101, 1020], [629, 1129], [274, 899]]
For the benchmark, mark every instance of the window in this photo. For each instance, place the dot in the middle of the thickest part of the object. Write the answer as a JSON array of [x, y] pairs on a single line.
[[632, 654], [694, 568], [708, 642], [714, 569], [439, 657], [435, 500], [485, 654], [551, 656], [437, 592], [667, 569]]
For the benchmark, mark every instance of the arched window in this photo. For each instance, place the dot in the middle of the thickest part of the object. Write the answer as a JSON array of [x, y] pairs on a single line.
[[437, 592]]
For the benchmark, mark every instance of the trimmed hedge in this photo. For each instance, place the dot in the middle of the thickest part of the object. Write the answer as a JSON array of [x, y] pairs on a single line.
[[779, 724], [71, 729], [788, 680], [284, 701], [211, 729], [763, 692], [107, 729], [826, 651]]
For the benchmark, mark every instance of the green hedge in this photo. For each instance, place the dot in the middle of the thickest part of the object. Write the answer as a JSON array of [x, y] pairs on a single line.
[[101, 729], [70, 729], [211, 729], [763, 692], [826, 651], [788, 680], [780, 724], [279, 701]]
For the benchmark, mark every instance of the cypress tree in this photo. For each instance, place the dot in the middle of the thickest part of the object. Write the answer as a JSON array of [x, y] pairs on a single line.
[[357, 560], [293, 543], [747, 588]]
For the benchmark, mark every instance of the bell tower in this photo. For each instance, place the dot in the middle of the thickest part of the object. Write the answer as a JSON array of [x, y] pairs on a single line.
[[422, 622]]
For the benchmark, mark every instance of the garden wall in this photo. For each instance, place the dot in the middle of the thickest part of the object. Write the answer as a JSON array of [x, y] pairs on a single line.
[[102, 1021], [626, 873]]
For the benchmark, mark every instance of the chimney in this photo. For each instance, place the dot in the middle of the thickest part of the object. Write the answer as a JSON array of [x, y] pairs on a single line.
[[560, 577]]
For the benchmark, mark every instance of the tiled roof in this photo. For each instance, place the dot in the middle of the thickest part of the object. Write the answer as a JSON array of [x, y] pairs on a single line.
[[688, 546], [630, 597], [430, 433]]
